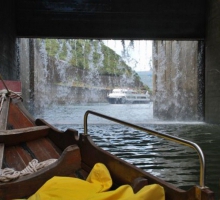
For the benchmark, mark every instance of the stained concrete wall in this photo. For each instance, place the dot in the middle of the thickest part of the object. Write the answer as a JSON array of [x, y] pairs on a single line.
[[8, 48], [24, 55], [212, 72], [175, 80], [31, 67]]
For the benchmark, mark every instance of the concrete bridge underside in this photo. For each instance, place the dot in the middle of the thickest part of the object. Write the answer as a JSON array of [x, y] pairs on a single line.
[[116, 19]]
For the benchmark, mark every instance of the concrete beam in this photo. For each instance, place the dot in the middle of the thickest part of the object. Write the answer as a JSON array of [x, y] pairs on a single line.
[[118, 19]]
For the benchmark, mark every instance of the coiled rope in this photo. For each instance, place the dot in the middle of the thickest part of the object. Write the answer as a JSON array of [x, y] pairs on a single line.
[[8, 174], [33, 166], [7, 92]]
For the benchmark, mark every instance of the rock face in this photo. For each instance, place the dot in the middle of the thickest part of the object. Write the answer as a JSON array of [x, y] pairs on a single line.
[[48, 80]]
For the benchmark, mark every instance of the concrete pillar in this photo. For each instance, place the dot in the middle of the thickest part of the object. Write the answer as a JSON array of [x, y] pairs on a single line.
[[27, 67], [212, 70], [175, 83], [31, 71], [24, 54]]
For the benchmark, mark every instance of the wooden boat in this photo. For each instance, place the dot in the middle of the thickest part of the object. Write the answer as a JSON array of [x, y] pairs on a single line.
[[23, 139]]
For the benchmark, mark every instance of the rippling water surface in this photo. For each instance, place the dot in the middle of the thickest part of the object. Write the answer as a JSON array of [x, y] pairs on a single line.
[[172, 162]]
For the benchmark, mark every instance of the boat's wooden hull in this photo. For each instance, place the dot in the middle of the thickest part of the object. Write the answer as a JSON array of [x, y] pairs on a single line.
[[24, 139]]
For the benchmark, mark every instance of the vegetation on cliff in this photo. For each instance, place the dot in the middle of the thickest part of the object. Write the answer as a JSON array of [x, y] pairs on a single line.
[[91, 55]]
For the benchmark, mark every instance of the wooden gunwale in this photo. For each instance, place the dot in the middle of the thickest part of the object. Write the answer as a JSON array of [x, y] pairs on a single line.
[[3, 126], [121, 171], [125, 173]]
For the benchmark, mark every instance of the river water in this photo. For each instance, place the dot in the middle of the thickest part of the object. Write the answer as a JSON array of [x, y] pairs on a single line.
[[172, 162]]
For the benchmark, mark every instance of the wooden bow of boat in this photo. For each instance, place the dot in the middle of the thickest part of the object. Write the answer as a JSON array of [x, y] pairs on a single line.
[[23, 139]]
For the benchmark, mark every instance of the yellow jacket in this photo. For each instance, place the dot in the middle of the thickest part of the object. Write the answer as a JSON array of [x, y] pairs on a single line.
[[94, 188]]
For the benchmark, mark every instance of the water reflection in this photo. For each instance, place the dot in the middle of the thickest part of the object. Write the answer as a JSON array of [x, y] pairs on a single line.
[[174, 163]]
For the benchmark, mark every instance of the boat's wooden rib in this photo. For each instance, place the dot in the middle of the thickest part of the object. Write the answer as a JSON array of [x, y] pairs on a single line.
[[23, 110], [59, 138], [67, 165], [17, 118], [2, 147], [42, 149], [15, 157], [139, 183]]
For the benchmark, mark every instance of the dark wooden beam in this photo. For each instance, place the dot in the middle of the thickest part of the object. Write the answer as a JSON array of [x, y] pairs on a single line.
[[107, 19]]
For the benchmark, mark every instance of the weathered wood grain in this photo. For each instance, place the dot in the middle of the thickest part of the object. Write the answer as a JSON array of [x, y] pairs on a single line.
[[16, 158], [17, 119], [67, 165], [13, 137], [42, 149], [59, 138]]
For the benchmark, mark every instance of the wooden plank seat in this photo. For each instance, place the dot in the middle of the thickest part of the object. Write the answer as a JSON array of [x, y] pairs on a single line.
[[23, 145], [20, 146], [15, 136]]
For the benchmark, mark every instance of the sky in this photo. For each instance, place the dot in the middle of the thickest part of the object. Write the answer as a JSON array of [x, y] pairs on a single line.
[[137, 55]]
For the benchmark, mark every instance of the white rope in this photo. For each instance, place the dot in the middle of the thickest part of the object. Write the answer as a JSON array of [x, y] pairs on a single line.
[[11, 94], [4, 84], [9, 174]]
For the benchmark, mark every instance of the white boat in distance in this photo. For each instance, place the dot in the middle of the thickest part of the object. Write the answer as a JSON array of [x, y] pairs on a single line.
[[122, 96]]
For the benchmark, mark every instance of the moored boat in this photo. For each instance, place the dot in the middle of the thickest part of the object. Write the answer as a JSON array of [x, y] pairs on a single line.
[[70, 154], [122, 96]]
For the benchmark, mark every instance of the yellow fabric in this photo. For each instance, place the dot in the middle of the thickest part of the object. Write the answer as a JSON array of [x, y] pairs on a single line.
[[94, 188], [100, 177]]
